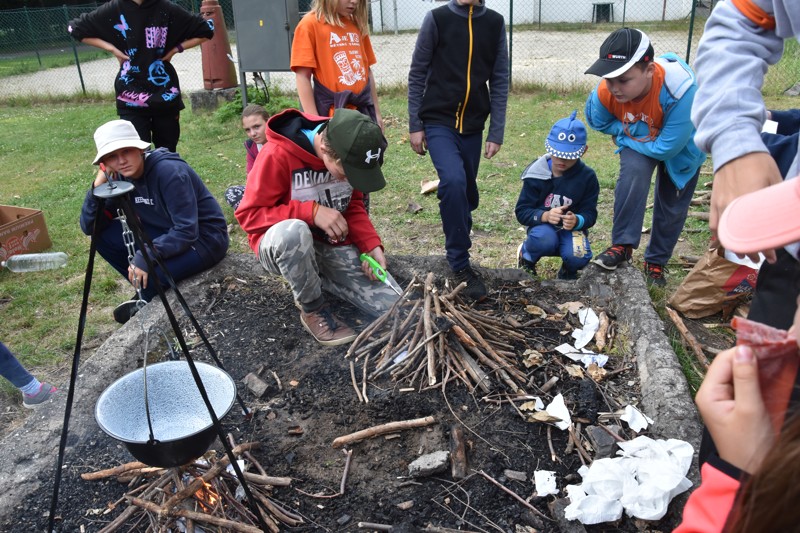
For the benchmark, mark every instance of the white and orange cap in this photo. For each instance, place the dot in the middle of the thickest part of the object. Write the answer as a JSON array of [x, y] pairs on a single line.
[[743, 233]]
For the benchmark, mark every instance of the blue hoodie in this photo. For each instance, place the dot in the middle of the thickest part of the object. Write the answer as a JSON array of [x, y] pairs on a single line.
[[171, 197], [674, 144]]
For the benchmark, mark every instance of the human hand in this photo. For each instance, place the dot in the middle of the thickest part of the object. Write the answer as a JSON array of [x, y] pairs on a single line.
[[137, 277], [418, 142], [491, 149], [733, 409], [332, 223], [120, 55], [554, 216], [745, 174], [569, 220], [377, 254]]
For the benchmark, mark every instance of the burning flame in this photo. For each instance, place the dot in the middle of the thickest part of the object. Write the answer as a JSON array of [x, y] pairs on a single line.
[[206, 496]]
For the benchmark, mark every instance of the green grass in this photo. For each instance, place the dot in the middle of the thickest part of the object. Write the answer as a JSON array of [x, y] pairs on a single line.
[[47, 150], [27, 64]]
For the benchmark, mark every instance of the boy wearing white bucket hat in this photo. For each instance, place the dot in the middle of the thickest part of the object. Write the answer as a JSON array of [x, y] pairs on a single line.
[[172, 204], [558, 201]]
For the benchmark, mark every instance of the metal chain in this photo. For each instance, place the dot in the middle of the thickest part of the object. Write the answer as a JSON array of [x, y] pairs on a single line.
[[127, 238]]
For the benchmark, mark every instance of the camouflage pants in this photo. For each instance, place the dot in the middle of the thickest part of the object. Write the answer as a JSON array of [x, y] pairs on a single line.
[[289, 250]]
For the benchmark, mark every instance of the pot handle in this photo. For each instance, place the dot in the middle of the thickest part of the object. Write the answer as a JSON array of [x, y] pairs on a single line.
[[144, 374]]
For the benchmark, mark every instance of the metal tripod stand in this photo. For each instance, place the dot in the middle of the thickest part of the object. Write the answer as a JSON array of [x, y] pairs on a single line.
[[120, 190]]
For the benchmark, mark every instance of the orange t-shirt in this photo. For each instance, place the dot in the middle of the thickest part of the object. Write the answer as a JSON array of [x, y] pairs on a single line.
[[339, 57], [648, 110]]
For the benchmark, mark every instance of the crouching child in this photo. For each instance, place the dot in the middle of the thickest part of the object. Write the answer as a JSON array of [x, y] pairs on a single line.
[[558, 202]]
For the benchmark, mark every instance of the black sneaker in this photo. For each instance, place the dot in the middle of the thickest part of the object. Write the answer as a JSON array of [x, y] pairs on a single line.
[[524, 264], [654, 274], [475, 289], [563, 273], [614, 256], [124, 311]]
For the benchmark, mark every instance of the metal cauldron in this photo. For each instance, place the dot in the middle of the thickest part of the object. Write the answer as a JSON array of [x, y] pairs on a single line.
[[179, 427]]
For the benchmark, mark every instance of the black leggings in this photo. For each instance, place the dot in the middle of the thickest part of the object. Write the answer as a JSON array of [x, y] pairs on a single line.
[[161, 130]]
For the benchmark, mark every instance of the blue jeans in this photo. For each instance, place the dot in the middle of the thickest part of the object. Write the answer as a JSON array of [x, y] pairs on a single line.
[[456, 158], [630, 200], [12, 370], [112, 248], [546, 240]]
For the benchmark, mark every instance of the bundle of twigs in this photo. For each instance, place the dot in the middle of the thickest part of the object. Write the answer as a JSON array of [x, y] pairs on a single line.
[[202, 493], [437, 338]]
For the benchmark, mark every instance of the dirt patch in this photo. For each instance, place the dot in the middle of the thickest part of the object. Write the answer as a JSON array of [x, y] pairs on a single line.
[[252, 322]]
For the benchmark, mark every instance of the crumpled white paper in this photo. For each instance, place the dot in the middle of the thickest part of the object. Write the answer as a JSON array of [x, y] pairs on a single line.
[[642, 481], [545, 481], [558, 409], [596, 358], [591, 323], [636, 419]]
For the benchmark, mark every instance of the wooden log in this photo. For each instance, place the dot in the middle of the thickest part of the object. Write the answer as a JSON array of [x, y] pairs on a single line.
[[459, 467], [382, 429], [700, 215], [688, 337]]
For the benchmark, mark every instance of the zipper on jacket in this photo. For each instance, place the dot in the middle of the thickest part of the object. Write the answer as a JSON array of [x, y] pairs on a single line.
[[460, 115]]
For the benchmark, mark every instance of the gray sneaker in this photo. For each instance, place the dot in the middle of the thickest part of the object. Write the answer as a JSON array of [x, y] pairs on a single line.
[[326, 328], [45, 391]]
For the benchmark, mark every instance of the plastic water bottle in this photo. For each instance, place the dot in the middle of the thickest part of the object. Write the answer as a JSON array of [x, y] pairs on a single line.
[[34, 262]]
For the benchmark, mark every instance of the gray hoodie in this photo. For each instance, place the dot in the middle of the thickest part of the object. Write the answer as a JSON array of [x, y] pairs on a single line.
[[732, 60]]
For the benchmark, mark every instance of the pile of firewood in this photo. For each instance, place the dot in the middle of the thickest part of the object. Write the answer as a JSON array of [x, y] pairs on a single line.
[[203, 494], [428, 341]]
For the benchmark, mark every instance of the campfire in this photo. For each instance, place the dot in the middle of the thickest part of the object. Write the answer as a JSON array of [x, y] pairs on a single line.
[[205, 492]]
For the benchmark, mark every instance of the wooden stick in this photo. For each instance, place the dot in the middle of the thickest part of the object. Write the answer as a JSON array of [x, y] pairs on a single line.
[[426, 316], [514, 495], [382, 429], [355, 383], [364, 379], [688, 337], [700, 215], [602, 330], [202, 517], [117, 470], [459, 468]]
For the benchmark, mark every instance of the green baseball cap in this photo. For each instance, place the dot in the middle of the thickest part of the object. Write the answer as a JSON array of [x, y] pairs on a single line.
[[359, 142]]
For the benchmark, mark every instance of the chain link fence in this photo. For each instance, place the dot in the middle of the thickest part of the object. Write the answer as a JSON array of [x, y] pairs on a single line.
[[551, 43]]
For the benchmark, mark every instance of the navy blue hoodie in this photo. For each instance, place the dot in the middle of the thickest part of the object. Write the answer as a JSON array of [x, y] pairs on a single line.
[[541, 191], [171, 197]]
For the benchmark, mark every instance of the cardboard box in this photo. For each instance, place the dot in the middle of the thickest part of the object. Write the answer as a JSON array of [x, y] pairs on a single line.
[[22, 230]]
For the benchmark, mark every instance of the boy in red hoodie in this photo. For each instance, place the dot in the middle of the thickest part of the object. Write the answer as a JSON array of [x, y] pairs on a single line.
[[304, 214]]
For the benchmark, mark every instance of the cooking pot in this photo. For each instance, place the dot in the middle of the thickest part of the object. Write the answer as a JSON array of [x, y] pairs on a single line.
[[158, 413]]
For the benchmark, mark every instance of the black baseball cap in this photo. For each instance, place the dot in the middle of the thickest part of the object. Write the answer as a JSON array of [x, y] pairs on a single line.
[[361, 144], [620, 51]]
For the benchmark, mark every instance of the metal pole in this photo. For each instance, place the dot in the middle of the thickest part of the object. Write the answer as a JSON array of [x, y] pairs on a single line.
[[624, 11], [75, 51], [540, 14], [691, 31], [32, 35], [510, 41], [396, 29]]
